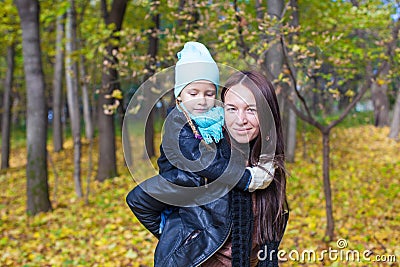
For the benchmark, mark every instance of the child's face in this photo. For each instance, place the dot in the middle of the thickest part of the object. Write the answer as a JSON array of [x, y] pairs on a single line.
[[198, 97]]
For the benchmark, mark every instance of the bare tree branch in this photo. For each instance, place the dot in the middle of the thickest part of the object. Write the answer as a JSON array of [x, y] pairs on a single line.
[[366, 86], [304, 117], [242, 43], [285, 8], [293, 75], [245, 48]]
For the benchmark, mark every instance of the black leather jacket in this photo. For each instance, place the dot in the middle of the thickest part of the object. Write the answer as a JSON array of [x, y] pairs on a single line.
[[191, 234]]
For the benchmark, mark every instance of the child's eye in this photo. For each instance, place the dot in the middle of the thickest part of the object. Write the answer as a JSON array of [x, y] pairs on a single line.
[[210, 94]]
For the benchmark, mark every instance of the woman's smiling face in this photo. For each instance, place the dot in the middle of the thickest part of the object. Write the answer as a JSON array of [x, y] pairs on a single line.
[[241, 117]]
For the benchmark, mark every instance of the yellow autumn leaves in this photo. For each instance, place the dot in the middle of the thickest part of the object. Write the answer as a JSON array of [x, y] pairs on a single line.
[[365, 186], [365, 190], [117, 95]]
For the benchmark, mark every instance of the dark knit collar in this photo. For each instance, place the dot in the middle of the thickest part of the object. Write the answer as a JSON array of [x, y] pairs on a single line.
[[242, 227]]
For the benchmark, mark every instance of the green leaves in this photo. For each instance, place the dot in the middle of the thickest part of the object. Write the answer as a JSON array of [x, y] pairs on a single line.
[[9, 24]]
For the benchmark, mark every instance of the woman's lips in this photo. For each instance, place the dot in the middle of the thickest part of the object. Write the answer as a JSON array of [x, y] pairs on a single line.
[[242, 130]]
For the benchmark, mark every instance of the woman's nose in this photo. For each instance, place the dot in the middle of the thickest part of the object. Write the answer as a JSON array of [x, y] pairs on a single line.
[[242, 117]]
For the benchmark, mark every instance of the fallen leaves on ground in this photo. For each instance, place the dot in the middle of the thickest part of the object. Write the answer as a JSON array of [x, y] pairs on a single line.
[[365, 186]]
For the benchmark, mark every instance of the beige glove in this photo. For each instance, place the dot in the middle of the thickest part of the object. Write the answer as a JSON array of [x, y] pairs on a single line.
[[261, 176]]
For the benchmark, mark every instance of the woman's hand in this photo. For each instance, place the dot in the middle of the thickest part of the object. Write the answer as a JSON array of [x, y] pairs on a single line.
[[261, 176]]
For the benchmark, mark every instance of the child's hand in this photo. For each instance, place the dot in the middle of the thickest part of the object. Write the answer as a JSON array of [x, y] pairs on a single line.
[[164, 216]]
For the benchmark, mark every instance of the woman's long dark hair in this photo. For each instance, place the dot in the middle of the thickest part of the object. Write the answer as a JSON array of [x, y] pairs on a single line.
[[271, 202]]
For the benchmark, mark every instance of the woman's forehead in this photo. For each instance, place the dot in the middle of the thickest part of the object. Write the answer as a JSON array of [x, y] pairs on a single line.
[[239, 95]]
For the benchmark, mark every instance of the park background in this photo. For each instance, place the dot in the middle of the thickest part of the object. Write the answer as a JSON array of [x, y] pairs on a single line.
[[69, 69]]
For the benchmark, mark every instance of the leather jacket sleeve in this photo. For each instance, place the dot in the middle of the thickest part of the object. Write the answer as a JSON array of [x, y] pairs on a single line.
[[146, 209], [184, 152]]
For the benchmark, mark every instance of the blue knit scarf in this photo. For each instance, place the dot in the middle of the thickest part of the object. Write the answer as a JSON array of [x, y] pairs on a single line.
[[209, 124]]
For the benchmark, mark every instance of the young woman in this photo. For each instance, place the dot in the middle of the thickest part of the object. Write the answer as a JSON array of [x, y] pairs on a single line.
[[233, 229], [251, 111]]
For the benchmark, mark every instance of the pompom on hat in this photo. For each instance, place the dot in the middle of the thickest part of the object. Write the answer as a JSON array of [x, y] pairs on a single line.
[[194, 63]]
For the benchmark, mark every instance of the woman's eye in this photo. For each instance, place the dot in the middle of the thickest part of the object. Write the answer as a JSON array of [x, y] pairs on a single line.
[[251, 110], [230, 109]]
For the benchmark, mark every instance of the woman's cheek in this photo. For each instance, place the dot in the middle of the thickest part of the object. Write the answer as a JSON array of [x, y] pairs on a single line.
[[229, 119], [255, 122]]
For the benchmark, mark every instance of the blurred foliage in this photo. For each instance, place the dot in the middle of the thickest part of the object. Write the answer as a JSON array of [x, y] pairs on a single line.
[[353, 119], [329, 49], [335, 42], [366, 189]]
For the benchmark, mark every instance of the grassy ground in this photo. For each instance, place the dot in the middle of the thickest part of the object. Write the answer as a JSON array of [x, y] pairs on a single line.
[[365, 182]]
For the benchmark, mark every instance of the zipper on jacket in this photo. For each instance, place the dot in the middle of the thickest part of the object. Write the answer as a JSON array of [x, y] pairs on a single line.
[[204, 181], [223, 243]]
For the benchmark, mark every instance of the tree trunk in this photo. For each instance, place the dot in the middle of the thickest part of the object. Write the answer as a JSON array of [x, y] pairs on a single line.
[[15, 109], [395, 126], [87, 117], [292, 118], [127, 149], [291, 136], [93, 72], [36, 131], [127, 146], [327, 185], [380, 100], [274, 55], [6, 116], [274, 58], [89, 130], [315, 95], [72, 94], [283, 108], [107, 167], [151, 67], [274, 62], [57, 86]]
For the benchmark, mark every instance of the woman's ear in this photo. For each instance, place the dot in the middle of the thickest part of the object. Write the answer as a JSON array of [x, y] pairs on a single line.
[[179, 99]]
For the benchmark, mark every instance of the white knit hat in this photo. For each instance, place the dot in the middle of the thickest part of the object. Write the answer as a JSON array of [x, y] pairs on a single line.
[[194, 63]]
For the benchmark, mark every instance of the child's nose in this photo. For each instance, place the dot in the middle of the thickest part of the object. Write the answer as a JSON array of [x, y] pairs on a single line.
[[202, 100]]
